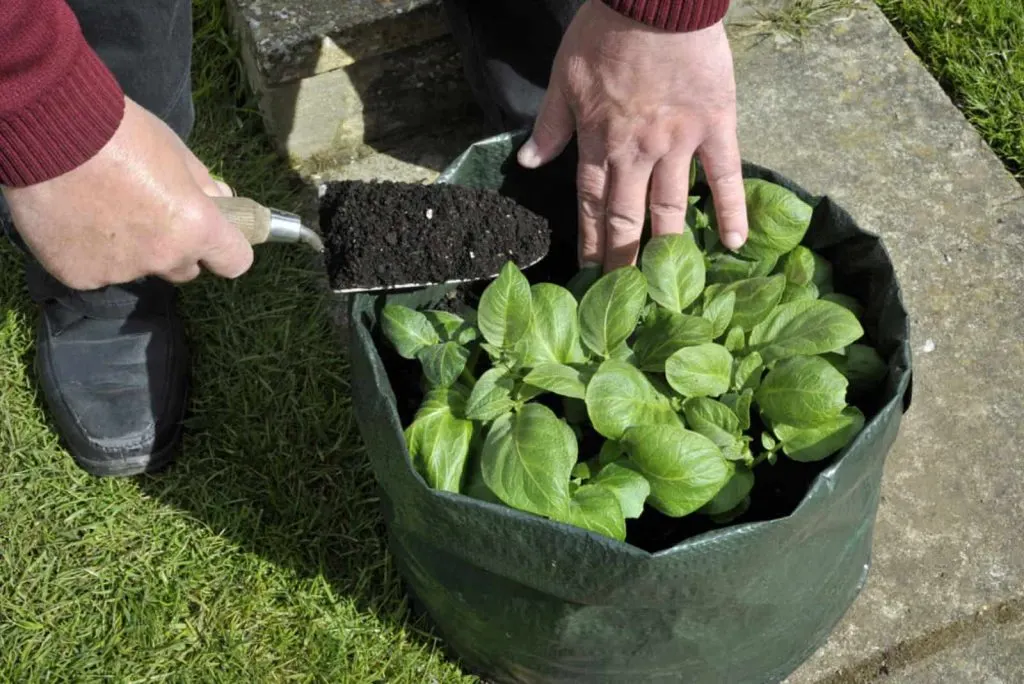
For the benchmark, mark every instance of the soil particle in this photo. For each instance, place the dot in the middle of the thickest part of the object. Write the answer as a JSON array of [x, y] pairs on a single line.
[[383, 234]]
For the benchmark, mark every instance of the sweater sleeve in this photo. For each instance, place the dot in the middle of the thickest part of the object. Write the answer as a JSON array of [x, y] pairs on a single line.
[[673, 15], [59, 104]]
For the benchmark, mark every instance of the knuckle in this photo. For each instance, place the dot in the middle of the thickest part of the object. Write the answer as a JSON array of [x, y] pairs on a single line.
[[591, 208], [623, 223], [667, 209], [725, 175]]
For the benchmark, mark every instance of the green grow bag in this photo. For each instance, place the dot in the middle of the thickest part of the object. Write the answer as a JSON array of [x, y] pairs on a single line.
[[519, 598]]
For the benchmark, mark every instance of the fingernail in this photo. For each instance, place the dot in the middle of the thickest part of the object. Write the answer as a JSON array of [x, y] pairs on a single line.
[[529, 155], [733, 240]]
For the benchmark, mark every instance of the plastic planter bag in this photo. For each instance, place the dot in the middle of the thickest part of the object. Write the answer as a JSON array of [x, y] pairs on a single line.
[[519, 598]]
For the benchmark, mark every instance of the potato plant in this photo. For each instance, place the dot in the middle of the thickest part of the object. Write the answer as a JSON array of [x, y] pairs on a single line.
[[691, 368]]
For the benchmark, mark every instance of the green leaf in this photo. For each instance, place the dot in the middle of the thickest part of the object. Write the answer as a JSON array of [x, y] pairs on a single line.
[[862, 366], [729, 516], [719, 313], [798, 266], [620, 396], [560, 379], [611, 451], [438, 441], [764, 267], [748, 372], [804, 328], [409, 330], [755, 298], [702, 411], [802, 391], [451, 328], [528, 458], [623, 353], [685, 469], [778, 220], [491, 396], [596, 509], [796, 293], [768, 441], [629, 486], [674, 268], [443, 363], [822, 275], [505, 308], [554, 335], [823, 440], [581, 471], [583, 280], [610, 309], [495, 353], [736, 340], [668, 333], [740, 405], [729, 268], [732, 494], [717, 422], [845, 301], [704, 370]]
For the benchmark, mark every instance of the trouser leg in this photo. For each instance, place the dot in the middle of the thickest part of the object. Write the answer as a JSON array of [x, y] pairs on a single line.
[[113, 363], [147, 44], [508, 47]]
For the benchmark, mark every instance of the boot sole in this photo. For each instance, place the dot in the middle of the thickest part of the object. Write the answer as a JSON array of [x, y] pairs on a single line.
[[137, 465]]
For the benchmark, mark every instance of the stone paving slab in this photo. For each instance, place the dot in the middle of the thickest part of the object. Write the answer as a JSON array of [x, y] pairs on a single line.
[[332, 115], [289, 40], [995, 657], [852, 113]]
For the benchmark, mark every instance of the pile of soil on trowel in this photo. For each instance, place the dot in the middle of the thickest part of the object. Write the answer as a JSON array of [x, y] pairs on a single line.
[[386, 234]]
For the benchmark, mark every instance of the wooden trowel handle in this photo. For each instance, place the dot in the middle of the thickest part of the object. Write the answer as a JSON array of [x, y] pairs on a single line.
[[249, 216]]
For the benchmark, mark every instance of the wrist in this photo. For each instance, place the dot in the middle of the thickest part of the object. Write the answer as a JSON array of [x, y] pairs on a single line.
[[676, 16]]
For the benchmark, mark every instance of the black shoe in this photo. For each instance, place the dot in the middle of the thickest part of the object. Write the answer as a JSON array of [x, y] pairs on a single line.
[[113, 366]]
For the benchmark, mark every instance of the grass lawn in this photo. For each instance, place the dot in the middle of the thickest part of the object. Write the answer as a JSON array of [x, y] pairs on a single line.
[[975, 48], [260, 556]]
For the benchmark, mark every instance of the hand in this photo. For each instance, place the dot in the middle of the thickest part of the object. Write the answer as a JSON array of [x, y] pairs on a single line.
[[643, 101], [139, 207]]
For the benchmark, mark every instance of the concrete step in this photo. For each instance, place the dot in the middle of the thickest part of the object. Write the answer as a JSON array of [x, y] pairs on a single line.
[[338, 80]]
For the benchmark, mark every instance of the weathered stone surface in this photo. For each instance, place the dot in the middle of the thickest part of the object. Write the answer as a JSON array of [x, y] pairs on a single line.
[[286, 40], [327, 117], [853, 114], [996, 657], [416, 160]]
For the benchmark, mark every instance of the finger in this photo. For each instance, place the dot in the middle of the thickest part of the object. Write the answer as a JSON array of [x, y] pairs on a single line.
[[669, 192], [720, 155], [624, 212], [228, 253], [551, 132], [182, 274], [591, 179], [223, 190], [201, 175]]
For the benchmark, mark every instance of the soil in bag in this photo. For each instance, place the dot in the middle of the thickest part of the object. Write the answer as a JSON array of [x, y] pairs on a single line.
[[389, 233]]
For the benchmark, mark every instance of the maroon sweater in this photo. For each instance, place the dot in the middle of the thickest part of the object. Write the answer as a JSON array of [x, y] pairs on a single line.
[[59, 104]]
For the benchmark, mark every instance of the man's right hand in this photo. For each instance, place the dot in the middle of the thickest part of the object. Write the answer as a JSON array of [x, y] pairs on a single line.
[[139, 207]]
